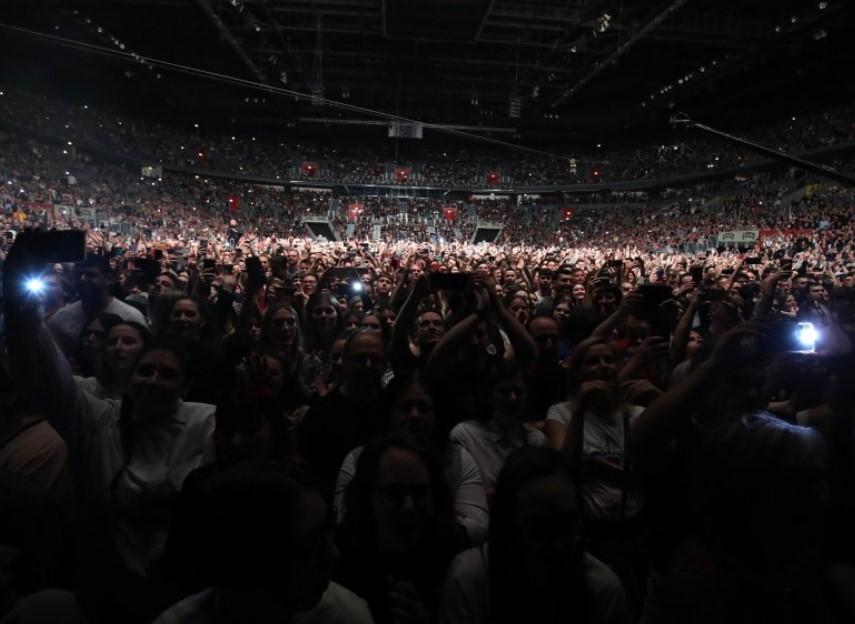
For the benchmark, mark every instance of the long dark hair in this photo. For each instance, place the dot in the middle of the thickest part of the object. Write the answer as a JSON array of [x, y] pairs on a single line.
[[95, 368], [297, 346], [358, 530], [314, 341], [400, 383], [205, 332], [574, 368], [508, 602]]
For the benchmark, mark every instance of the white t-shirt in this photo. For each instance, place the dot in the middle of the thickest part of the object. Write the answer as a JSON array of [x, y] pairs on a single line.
[[337, 606], [603, 447], [67, 323], [489, 447]]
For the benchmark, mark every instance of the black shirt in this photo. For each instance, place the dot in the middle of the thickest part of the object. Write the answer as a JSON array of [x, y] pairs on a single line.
[[333, 427]]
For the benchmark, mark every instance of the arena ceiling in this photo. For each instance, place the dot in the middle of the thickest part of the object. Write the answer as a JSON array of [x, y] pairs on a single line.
[[582, 71]]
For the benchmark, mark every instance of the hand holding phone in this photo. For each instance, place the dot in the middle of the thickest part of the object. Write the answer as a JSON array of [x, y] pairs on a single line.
[[449, 281], [254, 274]]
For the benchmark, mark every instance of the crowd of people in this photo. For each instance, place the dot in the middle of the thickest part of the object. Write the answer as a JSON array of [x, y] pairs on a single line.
[[400, 163], [638, 411]]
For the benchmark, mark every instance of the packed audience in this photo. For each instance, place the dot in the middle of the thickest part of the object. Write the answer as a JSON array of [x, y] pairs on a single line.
[[401, 163], [615, 413]]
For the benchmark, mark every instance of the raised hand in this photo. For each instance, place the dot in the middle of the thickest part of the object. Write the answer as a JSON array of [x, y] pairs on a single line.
[[405, 604]]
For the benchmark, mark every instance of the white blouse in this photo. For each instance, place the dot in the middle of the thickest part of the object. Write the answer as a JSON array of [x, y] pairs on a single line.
[[136, 491]]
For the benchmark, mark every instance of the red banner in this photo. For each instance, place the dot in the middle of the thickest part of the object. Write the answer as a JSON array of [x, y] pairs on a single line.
[[234, 203], [493, 178], [566, 214], [354, 209], [450, 213], [309, 169]]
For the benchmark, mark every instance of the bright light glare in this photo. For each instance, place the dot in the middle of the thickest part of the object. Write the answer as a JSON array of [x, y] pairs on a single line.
[[807, 335], [35, 285], [357, 286]]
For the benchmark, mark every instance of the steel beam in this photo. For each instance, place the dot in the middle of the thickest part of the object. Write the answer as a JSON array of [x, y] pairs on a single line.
[[620, 50], [227, 36]]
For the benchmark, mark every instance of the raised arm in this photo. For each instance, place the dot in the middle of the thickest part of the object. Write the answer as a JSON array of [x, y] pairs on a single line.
[[629, 303], [525, 349], [659, 421], [454, 340], [249, 307], [400, 342], [770, 285], [40, 367], [680, 339]]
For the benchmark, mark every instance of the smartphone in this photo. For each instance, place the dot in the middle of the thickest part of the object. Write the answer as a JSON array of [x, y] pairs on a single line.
[[697, 273], [449, 281], [713, 294], [209, 263], [790, 337], [58, 246], [615, 263], [254, 270], [653, 296], [149, 267], [158, 254]]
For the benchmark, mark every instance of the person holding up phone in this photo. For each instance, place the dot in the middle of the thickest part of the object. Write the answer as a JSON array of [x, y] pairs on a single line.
[[132, 453], [425, 325]]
